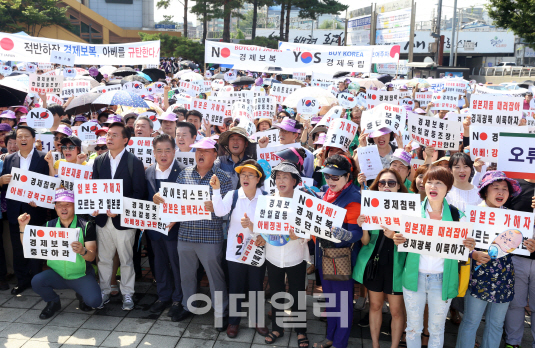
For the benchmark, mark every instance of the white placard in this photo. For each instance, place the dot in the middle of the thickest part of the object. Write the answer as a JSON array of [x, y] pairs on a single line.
[[264, 107], [334, 112], [26, 186], [302, 75], [105, 89], [98, 195], [69, 173], [53, 99], [69, 72], [424, 98], [75, 87], [142, 148], [308, 106], [516, 155], [186, 158], [456, 86], [340, 134], [135, 87], [184, 202], [445, 101], [62, 58], [384, 116], [347, 100], [40, 118], [435, 237], [376, 97], [86, 131], [49, 243], [272, 135], [432, 131], [272, 215], [142, 215], [42, 84], [387, 208], [485, 140], [281, 91], [241, 110], [250, 254], [369, 161], [496, 110]]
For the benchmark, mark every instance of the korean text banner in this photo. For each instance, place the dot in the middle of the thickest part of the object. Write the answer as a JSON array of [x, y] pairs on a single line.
[[142, 214], [490, 222], [496, 110], [256, 58], [272, 215], [385, 209], [49, 243], [38, 49], [101, 195], [435, 237], [430, 131], [485, 141], [68, 173], [517, 155], [26, 186], [184, 202]]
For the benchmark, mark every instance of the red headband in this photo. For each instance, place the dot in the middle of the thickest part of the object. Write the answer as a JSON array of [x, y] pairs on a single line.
[[350, 163]]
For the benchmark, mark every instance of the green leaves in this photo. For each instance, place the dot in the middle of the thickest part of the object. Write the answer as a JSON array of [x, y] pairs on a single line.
[[172, 46], [31, 15], [519, 16]]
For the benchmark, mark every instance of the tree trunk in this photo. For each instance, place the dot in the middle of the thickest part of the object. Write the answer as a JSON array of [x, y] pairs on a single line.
[[226, 21], [204, 25], [185, 18], [281, 22], [288, 9], [255, 17]]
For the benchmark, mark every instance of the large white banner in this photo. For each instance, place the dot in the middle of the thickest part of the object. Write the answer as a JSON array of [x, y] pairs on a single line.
[[496, 110], [39, 49], [98, 195], [516, 155], [184, 202], [256, 58], [384, 209], [26, 186], [49, 243]]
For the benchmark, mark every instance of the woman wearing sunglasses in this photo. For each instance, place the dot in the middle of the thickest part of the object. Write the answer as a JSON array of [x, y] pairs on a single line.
[[431, 278], [71, 149], [383, 278], [339, 173]]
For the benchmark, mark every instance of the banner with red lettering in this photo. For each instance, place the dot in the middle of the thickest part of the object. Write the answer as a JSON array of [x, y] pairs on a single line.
[[432, 131], [26, 187], [496, 110], [98, 195], [184, 202], [387, 208], [70, 172], [142, 215], [49, 243], [272, 215], [212, 111]]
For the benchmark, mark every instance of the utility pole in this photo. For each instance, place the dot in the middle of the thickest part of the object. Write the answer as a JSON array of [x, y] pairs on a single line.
[[453, 27], [457, 41], [437, 38], [373, 25], [411, 34], [345, 30]]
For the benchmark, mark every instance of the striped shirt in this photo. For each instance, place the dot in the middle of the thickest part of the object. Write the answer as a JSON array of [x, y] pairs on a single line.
[[203, 231]]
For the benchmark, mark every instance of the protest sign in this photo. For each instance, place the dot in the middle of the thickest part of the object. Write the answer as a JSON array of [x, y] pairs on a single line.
[[40, 118], [182, 100], [321, 84], [98, 195], [184, 202], [369, 161], [302, 75], [186, 158], [70, 172], [485, 140], [217, 84], [250, 254], [424, 98], [104, 89], [241, 109], [212, 111], [271, 187], [272, 215], [308, 106], [189, 88], [42, 84], [376, 97], [46, 67], [268, 153], [340, 134], [334, 112], [281, 91], [49, 243], [437, 238], [62, 58], [431, 131], [135, 87], [142, 149], [387, 208], [142, 215], [69, 72], [272, 135], [86, 131], [53, 99], [384, 116], [497, 110], [264, 107], [517, 153], [415, 163], [347, 100], [455, 86], [75, 87], [488, 223], [26, 186], [156, 88], [315, 216], [445, 101], [230, 76], [246, 124], [31, 68]]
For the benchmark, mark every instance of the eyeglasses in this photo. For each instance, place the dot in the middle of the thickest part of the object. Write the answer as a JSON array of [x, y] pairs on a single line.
[[56, 138], [332, 177], [113, 136], [70, 147], [103, 147], [248, 176], [280, 117], [390, 183]]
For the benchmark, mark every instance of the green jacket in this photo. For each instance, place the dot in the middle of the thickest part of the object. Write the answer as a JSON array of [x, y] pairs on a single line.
[[450, 278], [66, 269], [364, 256]]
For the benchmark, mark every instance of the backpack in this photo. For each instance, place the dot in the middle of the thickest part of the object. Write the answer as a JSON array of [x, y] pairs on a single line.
[[130, 163]]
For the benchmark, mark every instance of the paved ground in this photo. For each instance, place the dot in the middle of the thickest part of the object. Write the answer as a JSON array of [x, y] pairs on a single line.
[[112, 327]]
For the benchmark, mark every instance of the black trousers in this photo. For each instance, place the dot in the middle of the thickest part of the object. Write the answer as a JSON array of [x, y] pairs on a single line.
[[24, 269], [297, 282], [244, 277]]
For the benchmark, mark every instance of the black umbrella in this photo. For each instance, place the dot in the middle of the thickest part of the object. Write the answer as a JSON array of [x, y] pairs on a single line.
[[12, 92], [114, 82], [126, 71], [82, 104], [132, 78], [18, 72], [340, 74], [218, 76], [155, 74], [189, 64], [385, 78], [243, 81]]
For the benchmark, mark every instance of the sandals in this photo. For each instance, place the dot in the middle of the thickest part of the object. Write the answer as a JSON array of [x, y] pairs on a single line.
[[302, 340], [323, 344], [426, 336], [403, 341], [273, 337]]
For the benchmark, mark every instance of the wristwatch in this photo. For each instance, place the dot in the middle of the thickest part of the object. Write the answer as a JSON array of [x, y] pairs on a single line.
[[84, 254]]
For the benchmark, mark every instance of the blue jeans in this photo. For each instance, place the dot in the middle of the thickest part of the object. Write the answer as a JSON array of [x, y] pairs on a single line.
[[430, 291], [494, 319]]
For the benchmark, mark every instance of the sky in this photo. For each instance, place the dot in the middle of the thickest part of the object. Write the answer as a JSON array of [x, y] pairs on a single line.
[[424, 9]]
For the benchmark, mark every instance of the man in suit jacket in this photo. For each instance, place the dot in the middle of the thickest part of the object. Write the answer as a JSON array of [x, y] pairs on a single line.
[[166, 267], [30, 159], [118, 163]]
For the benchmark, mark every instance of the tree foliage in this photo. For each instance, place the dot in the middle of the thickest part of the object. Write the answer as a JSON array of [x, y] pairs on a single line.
[[31, 15], [329, 25], [166, 3], [519, 16], [168, 19], [173, 46], [206, 10], [269, 42]]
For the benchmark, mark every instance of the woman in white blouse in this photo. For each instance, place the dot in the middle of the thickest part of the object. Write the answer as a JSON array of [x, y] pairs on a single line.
[[463, 193], [287, 256], [242, 276]]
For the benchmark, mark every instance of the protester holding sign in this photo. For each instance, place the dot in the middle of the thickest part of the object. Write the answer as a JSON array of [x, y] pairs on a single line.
[[379, 266], [430, 277], [241, 204], [462, 193], [382, 138], [71, 149], [286, 255], [79, 275], [341, 192]]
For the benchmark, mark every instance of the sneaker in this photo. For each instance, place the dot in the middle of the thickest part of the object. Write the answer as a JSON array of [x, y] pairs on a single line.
[[507, 345], [175, 308], [365, 321], [128, 303], [105, 300], [159, 306]]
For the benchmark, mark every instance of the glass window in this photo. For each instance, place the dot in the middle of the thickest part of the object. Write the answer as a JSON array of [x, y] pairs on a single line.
[[84, 27]]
